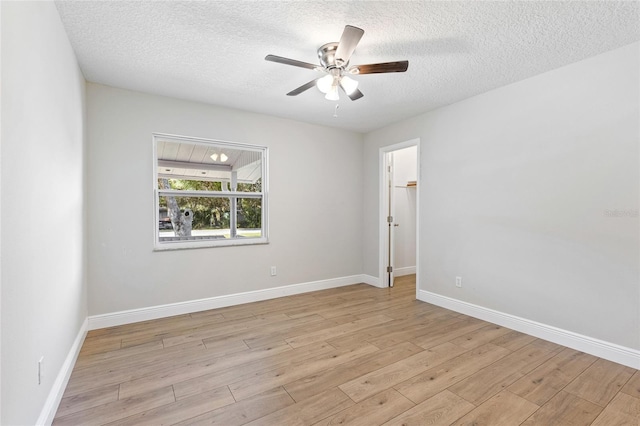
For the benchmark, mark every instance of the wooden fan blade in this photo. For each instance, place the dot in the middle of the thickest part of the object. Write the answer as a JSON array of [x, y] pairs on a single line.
[[287, 61], [355, 95], [350, 38], [398, 66], [303, 88]]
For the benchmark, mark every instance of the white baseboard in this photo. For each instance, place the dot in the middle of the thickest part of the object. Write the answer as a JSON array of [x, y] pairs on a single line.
[[180, 308], [57, 390], [407, 270], [374, 281], [371, 280], [610, 351]]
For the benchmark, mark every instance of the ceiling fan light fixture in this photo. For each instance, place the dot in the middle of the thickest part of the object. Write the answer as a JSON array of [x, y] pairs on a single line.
[[332, 94], [349, 85], [324, 84]]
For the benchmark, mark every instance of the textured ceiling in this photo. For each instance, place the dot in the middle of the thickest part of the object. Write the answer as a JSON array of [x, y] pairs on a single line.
[[213, 51]]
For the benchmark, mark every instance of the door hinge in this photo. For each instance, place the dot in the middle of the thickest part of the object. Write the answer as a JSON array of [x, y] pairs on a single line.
[[389, 269], [389, 219]]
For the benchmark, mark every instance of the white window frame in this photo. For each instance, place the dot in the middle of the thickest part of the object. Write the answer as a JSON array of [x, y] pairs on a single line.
[[202, 243]]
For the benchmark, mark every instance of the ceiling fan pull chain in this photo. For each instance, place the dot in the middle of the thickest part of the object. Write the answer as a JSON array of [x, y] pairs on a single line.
[[335, 111]]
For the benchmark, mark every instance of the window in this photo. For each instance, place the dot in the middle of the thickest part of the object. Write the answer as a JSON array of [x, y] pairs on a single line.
[[208, 193]]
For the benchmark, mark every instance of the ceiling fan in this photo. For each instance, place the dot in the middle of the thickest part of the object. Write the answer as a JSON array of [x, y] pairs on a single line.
[[334, 63]]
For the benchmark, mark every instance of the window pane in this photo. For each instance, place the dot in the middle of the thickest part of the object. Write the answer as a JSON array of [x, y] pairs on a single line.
[[208, 167], [250, 187], [189, 185], [207, 217], [249, 217]]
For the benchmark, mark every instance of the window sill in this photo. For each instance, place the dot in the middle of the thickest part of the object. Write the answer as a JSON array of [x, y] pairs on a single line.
[[208, 243]]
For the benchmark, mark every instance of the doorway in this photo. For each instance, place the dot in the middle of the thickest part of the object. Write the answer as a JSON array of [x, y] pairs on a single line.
[[399, 205]]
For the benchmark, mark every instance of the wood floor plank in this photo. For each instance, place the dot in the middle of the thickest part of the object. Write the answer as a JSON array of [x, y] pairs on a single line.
[[414, 309], [565, 409], [397, 331], [141, 358], [200, 315], [441, 409], [632, 387], [513, 340], [376, 381], [246, 370], [331, 310], [308, 411], [100, 396], [438, 335], [270, 329], [294, 371], [623, 410], [294, 330], [374, 410], [122, 369], [403, 307], [207, 332], [100, 346], [436, 379], [600, 382], [131, 368], [119, 409], [226, 346], [141, 326], [243, 411], [480, 336], [541, 384], [167, 326], [504, 408], [484, 384], [316, 383], [388, 307], [266, 307], [153, 330], [357, 291], [101, 357], [375, 332], [412, 332], [180, 410], [338, 330], [181, 372]]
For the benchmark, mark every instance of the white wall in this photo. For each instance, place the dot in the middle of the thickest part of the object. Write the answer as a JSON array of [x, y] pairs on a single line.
[[405, 169], [518, 183], [43, 275], [314, 212]]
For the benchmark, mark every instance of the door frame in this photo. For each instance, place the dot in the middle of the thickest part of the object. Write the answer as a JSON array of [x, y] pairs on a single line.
[[382, 213], [390, 211]]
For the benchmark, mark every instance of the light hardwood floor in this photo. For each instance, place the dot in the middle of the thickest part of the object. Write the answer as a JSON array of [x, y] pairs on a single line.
[[354, 355]]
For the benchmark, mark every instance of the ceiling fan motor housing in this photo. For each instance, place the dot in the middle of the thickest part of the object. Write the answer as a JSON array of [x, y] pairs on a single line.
[[327, 56]]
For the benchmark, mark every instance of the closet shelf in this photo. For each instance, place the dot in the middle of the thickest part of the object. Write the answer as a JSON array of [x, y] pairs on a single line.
[[410, 184]]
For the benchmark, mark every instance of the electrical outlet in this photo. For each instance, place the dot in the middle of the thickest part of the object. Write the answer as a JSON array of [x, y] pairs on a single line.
[[273, 271], [40, 368], [458, 281]]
